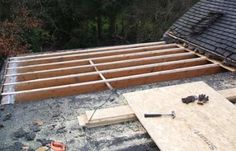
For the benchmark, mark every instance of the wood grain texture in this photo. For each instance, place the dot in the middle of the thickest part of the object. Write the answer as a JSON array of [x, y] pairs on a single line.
[[91, 54], [111, 73], [195, 128], [222, 64], [80, 51], [229, 94], [107, 116], [100, 66], [70, 63]]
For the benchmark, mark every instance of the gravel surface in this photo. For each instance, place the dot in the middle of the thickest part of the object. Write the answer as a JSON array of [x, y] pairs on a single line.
[[40, 122]]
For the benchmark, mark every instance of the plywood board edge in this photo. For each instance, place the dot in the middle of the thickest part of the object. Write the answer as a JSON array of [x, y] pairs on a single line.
[[82, 120]]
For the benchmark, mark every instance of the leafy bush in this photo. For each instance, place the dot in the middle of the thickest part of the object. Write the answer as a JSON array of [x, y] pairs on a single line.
[[36, 26]]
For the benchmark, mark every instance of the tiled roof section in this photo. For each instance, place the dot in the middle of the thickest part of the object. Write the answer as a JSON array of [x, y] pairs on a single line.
[[219, 36]]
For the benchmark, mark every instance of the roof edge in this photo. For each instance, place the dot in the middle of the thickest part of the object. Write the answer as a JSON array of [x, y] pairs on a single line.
[[169, 37]]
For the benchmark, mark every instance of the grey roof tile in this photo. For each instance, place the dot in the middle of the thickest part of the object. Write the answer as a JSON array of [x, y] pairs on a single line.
[[219, 36], [233, 56]]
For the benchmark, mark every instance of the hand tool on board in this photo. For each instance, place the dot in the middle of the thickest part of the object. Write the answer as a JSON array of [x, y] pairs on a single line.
[[149, 115]]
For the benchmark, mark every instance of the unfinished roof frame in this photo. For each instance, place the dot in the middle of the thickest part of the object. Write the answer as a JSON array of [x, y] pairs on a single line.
[[67, 73]]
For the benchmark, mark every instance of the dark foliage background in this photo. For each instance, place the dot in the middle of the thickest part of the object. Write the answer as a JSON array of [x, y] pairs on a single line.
[[41, 25]]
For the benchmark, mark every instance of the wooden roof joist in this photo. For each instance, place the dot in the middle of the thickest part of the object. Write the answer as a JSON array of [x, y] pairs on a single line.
[[80, 51], [91, 54], [225, 66], [91, 86], [100, 66], [112, 73], [22, 69], [74, 72]]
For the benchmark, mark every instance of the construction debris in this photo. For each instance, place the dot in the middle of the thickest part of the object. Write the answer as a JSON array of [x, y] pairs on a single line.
[[38, 122], [43, 148], [2, 108], [7, 117], [1, 126], [18, 145], [61, 129], [30, 136], [35, 128], [20, 133], [44, 142]]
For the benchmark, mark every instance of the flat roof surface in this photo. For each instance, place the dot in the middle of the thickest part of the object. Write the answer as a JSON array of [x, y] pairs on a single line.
[[59, 117]]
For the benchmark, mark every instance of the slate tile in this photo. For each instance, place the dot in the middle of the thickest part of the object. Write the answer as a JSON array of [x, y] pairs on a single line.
[[220, 36], [233, 57]]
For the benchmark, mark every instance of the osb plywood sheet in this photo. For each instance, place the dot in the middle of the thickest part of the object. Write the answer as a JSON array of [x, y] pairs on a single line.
[[196, 128]]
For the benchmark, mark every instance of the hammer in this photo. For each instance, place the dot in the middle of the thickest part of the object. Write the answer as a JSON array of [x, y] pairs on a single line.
[[159, 115]]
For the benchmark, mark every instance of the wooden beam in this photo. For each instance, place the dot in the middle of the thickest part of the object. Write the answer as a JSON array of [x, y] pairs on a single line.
[[51, 73], [122, 72], [123, 113], [112, 73], [80, 51], [91, 54], [230, 68], [3, 73], [166, 75], [140, 55], [96, 60], [144, 61], [107, 116], [230, 94], [101, 66], [91, 86]]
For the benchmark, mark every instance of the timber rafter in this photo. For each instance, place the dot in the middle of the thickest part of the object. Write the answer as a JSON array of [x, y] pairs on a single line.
[[35, 77]]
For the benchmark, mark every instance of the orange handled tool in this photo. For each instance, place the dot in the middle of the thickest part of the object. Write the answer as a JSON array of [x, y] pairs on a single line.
[[58, 146]]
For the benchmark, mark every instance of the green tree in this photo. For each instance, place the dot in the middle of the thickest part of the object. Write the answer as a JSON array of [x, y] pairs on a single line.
[[62, 24]]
